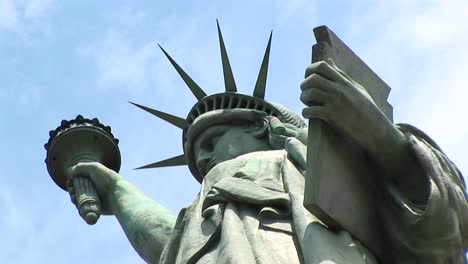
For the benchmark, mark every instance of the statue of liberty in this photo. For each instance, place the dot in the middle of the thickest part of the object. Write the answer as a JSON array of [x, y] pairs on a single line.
[[249, 155]]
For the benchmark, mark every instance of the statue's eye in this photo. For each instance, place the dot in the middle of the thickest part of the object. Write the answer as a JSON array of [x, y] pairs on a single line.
[[214, 140], [209, 139]]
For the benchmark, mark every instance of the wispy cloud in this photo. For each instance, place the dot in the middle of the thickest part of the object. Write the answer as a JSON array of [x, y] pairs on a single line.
[[118, 63], [440, 105], [14, 15], [8, 15], [35, 8], [129, 62], [289, 9], [420, 47], [440, 24]]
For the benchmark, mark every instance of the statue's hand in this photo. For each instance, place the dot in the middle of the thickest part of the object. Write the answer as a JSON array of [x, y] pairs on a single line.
[[104, 180], [332, 96]]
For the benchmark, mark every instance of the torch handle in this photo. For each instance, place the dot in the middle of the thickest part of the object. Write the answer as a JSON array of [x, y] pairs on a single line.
[[87, 199]]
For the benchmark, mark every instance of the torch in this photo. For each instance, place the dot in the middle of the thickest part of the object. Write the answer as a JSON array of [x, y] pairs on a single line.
[[75, 141]]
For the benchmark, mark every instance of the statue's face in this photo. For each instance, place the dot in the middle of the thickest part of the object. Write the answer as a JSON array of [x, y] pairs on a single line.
[[224, 142]]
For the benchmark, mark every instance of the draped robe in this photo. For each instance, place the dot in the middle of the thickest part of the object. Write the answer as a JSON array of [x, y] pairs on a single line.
[[250, 210]]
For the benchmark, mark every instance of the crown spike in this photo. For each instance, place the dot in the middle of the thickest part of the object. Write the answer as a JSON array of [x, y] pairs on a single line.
[[174, 161], [260, 85], [175, 120], [229, 82], [196, 90]]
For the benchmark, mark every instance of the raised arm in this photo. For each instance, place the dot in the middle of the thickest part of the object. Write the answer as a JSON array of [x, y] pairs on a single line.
[[147, 224]]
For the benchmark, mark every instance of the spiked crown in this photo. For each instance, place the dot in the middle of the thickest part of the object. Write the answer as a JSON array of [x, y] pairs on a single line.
[[229, 103]]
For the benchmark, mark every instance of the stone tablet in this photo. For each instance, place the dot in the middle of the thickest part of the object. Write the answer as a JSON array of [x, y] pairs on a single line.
[[340, 186]]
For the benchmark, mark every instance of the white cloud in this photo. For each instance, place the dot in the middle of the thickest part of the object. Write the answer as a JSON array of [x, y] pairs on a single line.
[[124, 63], [437, 34], [289, 9], [128, 17], [419, 49], [440, 106], [35, 8], [124, 66], [440, 24], [120, 64], [15, 15], [8, 15]]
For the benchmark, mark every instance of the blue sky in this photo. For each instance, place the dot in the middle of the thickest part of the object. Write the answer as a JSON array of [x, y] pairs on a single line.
[[63, 58]]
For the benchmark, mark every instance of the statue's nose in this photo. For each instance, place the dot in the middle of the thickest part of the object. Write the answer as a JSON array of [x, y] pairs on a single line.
[[203, 158]]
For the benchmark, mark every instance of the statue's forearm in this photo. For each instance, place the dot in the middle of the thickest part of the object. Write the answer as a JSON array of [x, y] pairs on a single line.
[[392, 153], [147, 224]]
